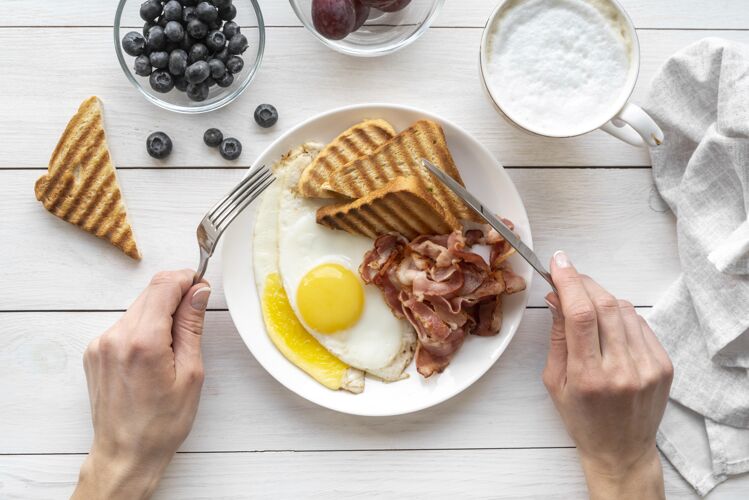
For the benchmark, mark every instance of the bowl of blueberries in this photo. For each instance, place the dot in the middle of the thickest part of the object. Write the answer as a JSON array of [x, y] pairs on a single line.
[[189, 56], [367, 28]]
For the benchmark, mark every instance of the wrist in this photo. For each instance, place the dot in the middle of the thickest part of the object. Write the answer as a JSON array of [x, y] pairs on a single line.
[[639, 479], [105, 476]]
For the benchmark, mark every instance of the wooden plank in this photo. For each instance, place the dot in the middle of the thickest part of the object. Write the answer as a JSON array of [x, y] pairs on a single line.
[[487, 474], [243, 408], [718, 14], [611, 222], [40, 107]]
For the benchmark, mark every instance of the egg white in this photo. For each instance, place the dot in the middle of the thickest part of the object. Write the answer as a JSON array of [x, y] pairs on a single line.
[[377, 338]]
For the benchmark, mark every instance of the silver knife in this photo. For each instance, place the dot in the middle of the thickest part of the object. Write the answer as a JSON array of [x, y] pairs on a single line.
[[493, 221]]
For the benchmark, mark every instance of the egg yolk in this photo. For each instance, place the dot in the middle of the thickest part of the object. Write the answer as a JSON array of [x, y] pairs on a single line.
[[330, 298]]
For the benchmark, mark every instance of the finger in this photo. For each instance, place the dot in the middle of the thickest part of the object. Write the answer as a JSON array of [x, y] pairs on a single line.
[[611, 331], [579, 314], [635, 340], [187, 332], [655, 347], [555, 372], [150, 316]]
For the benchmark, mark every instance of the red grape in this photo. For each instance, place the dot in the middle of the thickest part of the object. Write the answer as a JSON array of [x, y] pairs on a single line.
[[333, 19], [362, 13]]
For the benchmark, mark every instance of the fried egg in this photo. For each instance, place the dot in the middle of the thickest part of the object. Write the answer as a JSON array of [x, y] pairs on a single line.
[[319, 270]]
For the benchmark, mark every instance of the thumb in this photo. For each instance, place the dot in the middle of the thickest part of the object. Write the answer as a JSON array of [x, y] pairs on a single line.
[[556, 361], [187, 327]]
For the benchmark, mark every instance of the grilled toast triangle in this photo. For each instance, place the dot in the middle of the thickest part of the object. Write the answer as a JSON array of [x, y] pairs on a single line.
[[81, 185], [401, 206], [401, 156], [359, 140]]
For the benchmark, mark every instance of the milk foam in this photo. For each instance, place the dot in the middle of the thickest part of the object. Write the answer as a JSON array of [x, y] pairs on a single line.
[[557, 66]]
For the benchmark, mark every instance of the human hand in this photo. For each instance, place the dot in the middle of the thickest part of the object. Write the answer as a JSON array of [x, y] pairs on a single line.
[[144, 378], [609, 378]]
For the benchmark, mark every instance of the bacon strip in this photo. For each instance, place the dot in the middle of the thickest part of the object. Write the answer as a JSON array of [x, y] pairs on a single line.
[[443, 288]]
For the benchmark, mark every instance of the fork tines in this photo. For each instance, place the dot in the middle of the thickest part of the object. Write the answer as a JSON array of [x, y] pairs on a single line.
[[242, 195]]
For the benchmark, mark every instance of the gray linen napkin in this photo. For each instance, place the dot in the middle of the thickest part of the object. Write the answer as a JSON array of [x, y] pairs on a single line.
[[700, 99]]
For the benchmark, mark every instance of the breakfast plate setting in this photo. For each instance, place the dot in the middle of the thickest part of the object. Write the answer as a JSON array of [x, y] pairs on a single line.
[[243, 286], [373, 192]]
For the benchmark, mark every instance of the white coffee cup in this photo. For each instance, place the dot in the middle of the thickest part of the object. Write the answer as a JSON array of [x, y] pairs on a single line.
[[624, 120]]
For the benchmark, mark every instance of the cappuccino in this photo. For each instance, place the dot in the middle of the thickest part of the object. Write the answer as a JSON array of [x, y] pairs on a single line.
[[556, 67]]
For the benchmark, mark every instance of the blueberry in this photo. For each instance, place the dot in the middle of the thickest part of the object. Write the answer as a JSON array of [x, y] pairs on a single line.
[[266, 115], [173, 10], [230, 29], [226, 80], [159, 145], [210, 82], [159, 59], [174, 31], [198, 52], [189, 3], [188, 14], [234, 64], [161, 81], [215, 25], [197, 91], [238, 44], [147, 26], [221, 4], [206, 12], [180, 83], [215, 41], [197, 29], [213, 137], [177, 62], [156, 38], [161, 22], [228, 13], [230, 148], [222, 55], [134, 44], [142, 65], [150, 10], [187, 42], [197, 72], [218, 69]]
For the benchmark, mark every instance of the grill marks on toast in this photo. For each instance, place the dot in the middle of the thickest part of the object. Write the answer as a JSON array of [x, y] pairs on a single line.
[[359, 140], [81, 184], [400, 206], [401, 156]]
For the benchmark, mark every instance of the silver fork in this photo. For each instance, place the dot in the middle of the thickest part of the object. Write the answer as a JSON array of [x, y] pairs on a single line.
[[223, 213]]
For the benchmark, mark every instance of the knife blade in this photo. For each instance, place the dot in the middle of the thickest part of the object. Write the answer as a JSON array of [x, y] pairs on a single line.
[[515, 242]]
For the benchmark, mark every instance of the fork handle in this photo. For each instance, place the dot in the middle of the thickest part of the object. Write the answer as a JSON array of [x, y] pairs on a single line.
[[201, 268]]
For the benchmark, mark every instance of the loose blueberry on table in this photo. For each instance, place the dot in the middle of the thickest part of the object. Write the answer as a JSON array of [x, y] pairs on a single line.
[[179, 35], [230, 148], [159, 145], [266, 115], [336, 19], [213, 137]]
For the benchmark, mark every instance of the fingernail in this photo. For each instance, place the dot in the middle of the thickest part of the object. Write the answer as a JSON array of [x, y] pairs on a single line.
[[200, 298], [553, 309], [561, 260]]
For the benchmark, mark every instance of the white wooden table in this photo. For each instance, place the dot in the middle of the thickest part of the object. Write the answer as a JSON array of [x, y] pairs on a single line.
[[592, 196]]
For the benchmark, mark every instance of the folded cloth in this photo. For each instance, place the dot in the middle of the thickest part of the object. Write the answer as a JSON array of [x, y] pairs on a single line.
[[700, 99]]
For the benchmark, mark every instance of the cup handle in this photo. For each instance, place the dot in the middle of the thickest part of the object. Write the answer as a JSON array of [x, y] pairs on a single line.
[[634, 126]]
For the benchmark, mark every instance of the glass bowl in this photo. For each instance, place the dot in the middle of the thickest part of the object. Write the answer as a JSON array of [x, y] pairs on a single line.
[[250, 19], [383, 32]]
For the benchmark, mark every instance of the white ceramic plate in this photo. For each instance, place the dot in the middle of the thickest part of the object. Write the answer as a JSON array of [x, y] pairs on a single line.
[[483, 175]]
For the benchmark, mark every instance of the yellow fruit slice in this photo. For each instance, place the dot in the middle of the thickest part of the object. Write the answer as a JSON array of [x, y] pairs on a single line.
[[296, 343]]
